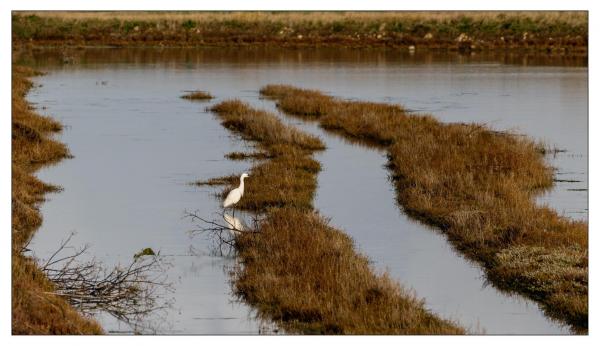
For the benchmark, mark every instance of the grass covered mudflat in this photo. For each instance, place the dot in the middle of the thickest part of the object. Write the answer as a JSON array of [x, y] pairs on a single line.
[[547, 31], [478, 186], [298, 270], [35, 310]]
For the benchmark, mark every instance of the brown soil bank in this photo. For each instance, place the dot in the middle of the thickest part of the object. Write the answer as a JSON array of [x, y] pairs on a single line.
[[477, 185], [35, 310], [297, 270], [544, 31]]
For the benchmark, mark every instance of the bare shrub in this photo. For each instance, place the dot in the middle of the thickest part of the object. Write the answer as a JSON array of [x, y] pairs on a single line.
[[127, 292]]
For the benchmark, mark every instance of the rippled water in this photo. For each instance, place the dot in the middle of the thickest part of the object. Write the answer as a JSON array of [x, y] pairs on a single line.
[[137, 145]]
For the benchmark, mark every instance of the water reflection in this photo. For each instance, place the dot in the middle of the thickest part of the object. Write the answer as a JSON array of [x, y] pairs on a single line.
[[234, 224], [221, 230], [129, 293], [243, 57]]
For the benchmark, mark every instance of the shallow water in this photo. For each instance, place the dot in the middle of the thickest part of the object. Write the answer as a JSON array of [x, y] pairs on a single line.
[[136, 149], [137, 145]]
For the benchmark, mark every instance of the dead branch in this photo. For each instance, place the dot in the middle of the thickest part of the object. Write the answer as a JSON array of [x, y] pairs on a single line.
[[222, 230], [126, 292]]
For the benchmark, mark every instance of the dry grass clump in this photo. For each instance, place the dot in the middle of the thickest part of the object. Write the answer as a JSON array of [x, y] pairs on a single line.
[[548, 31], [35, 310], [376, 123], [289, 177], [474, 183], [240, 156], [197, 95], [263, 127], [544, 272], [219, 181], [297, 270], [310, 103]]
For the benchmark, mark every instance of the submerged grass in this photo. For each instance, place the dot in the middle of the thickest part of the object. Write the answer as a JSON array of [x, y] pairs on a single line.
[[35, 310], [475, 184], [298, 270], [547, 31]]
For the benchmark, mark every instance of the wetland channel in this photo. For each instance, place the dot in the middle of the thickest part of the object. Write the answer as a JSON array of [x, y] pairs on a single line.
[[137, 145]]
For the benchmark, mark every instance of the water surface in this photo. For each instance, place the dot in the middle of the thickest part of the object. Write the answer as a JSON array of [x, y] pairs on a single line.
[[136, 147]]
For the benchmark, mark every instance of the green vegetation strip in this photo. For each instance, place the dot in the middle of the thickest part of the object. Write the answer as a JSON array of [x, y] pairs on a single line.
[[35, 310], [547, 31], [297, 270], [478, 186]]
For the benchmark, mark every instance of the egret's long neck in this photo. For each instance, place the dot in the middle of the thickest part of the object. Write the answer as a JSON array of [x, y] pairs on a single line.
[[242, 185]]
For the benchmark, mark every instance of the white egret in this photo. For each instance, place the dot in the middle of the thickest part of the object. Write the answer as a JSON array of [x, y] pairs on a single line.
[[236, 194]]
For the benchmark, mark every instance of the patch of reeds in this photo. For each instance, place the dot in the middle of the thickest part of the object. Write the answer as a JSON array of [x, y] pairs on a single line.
[[219, 181], [240, 156], [475, 184], [197, 95], [297, 270], [548, 31], [289, 177], [35, 310], [302, 272]]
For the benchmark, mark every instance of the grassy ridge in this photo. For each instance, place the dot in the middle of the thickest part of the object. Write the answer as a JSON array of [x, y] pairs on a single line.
[[34, 309], [298, 270], [475, 184], [288, 178], [548, 31]]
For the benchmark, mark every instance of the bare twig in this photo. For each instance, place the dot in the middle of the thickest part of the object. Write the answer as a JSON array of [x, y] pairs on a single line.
[[126, 292], [224, 229]]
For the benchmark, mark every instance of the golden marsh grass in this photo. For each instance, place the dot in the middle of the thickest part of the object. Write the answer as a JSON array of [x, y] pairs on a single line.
[[478, 186], [34, 309], [298, 270]]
